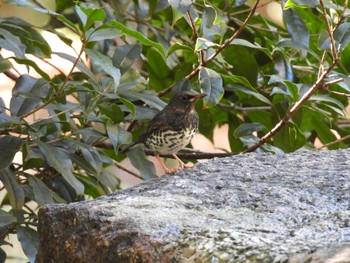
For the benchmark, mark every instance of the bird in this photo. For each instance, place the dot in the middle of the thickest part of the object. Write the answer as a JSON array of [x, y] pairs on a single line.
[[171, 129]]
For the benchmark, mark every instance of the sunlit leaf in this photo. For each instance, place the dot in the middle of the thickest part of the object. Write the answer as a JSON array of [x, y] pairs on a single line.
[[301, 3], [202, 44], [245, 43], [104, 33], [137, 35]]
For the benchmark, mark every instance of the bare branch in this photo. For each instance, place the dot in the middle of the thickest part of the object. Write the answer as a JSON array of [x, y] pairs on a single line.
[[334, 142], [195, 35], [121, 167]]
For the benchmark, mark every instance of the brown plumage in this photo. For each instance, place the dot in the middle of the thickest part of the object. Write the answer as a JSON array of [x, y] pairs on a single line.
[[172, 128]]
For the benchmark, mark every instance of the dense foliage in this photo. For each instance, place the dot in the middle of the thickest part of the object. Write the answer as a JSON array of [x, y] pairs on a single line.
[[289, 84]]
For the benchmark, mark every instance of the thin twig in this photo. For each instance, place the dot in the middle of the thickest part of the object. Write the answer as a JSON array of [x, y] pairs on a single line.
[[194, 154], [60, 90], [330, 31], [195, 35], [217, 52], [334, 142], [121, 167]]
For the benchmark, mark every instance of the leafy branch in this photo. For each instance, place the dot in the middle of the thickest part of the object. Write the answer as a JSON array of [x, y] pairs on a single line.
[[204, 62], [319, 84]]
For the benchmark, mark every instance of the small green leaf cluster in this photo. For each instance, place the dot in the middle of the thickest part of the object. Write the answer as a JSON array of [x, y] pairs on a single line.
[[140, 53]]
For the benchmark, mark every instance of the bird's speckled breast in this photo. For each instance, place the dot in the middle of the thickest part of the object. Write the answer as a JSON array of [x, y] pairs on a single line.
[[170, 141]]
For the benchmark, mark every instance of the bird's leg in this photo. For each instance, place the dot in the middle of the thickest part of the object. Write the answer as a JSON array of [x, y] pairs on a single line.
[[181, 163], [166, 169]]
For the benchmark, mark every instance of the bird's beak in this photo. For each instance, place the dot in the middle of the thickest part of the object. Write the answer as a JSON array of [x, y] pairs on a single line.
[[197, 97]]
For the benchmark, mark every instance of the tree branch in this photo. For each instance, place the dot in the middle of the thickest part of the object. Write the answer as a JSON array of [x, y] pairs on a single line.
[[60, 90], [318, 85], [217, 52]]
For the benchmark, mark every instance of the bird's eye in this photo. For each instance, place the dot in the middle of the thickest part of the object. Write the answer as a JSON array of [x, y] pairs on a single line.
[[185, 97]]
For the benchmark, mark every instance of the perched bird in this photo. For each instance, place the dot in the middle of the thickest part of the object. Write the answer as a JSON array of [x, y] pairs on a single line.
[[172, 128]]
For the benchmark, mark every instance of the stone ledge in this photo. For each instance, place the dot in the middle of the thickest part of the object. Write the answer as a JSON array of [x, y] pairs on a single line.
[[247, 208]]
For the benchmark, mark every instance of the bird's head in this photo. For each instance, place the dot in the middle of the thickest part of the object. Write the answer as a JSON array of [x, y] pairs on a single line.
[[185, 100]]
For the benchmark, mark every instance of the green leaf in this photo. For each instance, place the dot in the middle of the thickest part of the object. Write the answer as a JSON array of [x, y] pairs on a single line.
[[209, 16], [137, 35], [328, 99], [211, 84], [104, 33], [31, 38], [109, 178], [297, 45], [323, 40], [105, 63], [5, 65], [130, 106], [12, 145], [113, 134], [157, 64], [301, 3], [296, 28], [60, 160], [203, 44], [323, 131], [234, 55], [32, 64], [29, 239], [12, 43], [248, 128], [150, 98], [42, 193], [6, 218], [27, 94], [245, 43], [14, 190], [179, 7], [139, 160], [80, 65], [289, 138], [124, 56], [179, 46], [243, 85], [88, 16]]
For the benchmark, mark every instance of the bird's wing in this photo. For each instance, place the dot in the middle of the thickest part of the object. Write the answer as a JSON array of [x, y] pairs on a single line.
[[158, 123]]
